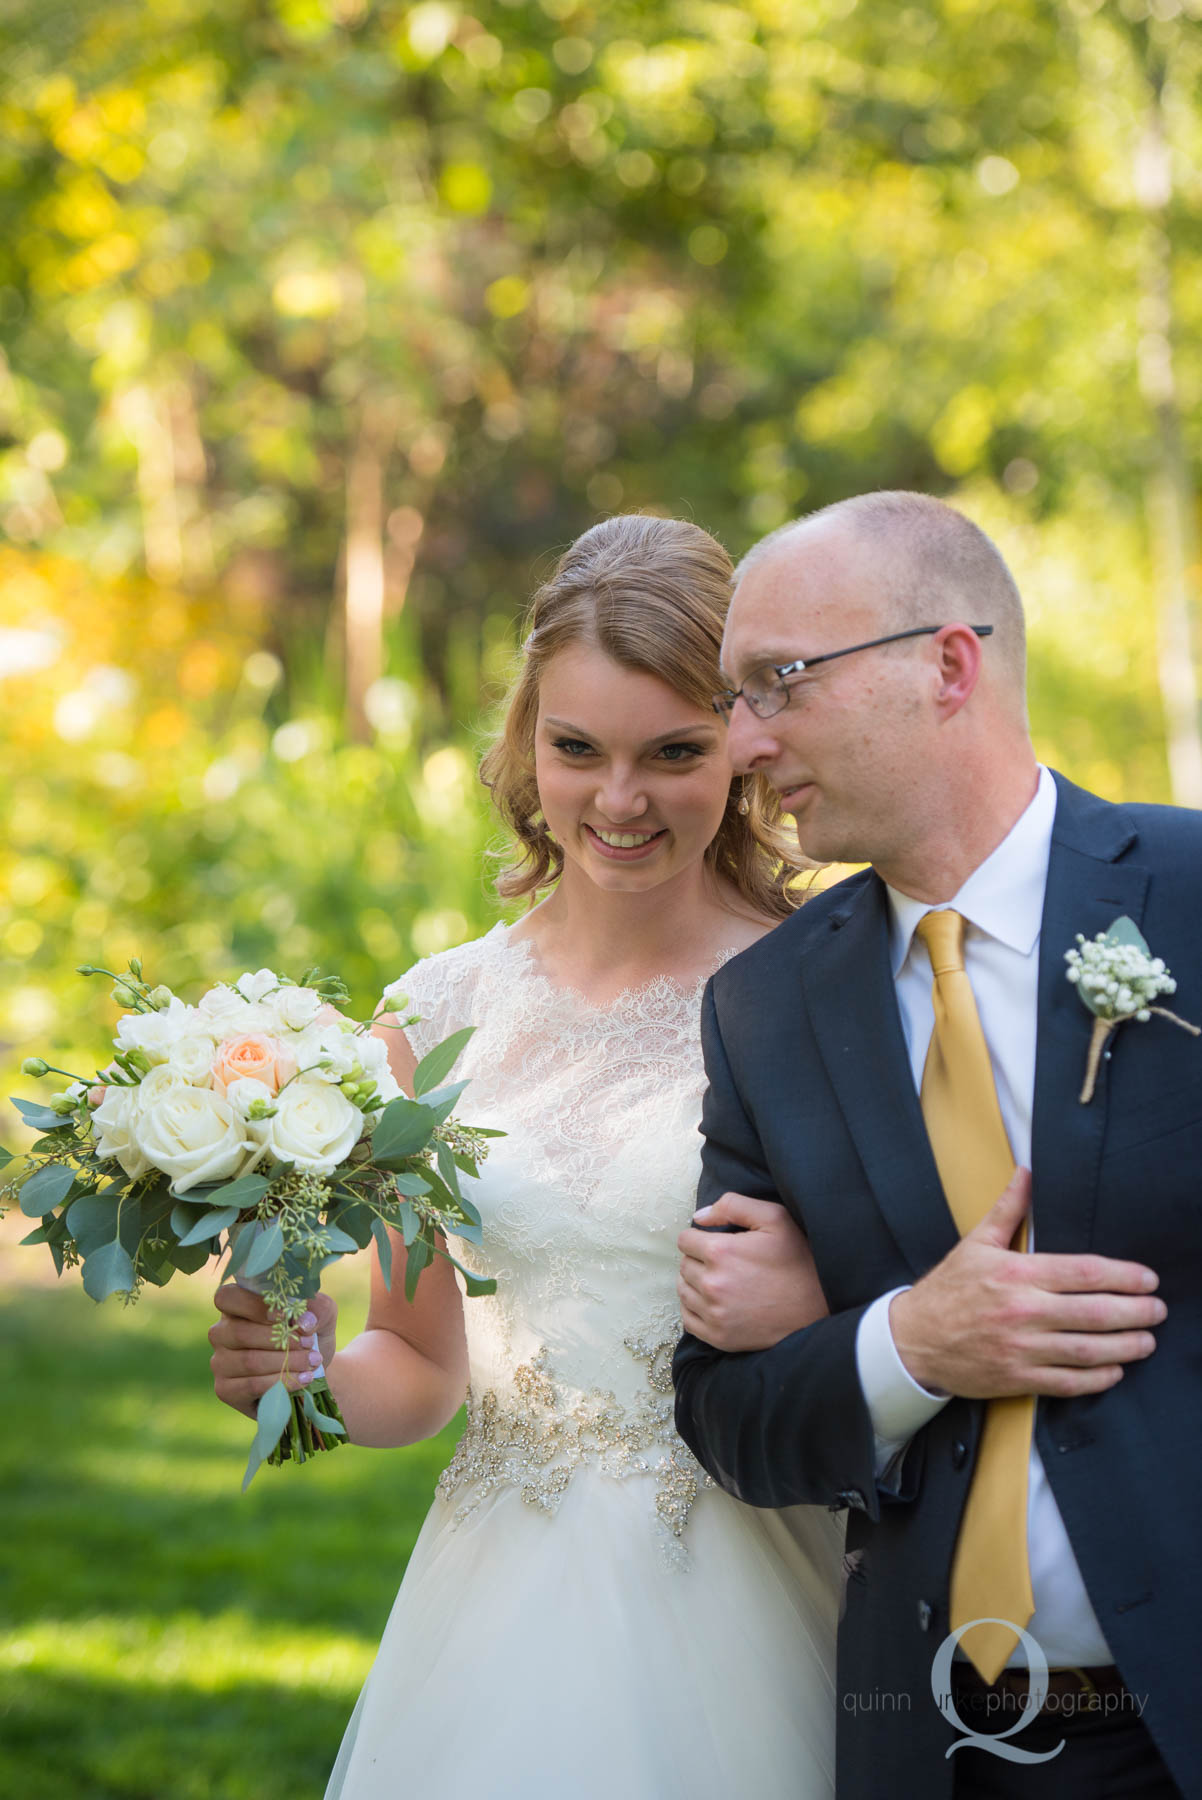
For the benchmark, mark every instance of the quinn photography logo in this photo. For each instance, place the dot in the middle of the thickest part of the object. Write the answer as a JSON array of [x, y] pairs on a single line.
[[1029, 1704]]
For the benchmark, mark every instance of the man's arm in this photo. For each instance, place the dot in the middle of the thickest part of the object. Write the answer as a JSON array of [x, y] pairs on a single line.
[[786, 1425]]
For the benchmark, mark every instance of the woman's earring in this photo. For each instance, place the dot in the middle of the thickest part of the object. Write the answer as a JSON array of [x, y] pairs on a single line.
[[744, 806]]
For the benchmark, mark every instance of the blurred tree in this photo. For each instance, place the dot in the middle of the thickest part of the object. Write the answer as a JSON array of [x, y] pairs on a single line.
[[325, 321], [394, 297]]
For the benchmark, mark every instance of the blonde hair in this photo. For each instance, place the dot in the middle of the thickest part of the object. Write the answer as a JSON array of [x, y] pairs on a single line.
[[652, 594]]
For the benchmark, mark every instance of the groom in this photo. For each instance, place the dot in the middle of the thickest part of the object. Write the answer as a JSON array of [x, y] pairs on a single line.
[[1006, 1395]]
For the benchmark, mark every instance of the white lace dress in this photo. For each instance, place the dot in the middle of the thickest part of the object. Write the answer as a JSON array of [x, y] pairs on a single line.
[[584, 1615]]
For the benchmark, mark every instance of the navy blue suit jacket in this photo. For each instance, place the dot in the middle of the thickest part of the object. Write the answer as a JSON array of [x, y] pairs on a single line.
[[812, 1103]]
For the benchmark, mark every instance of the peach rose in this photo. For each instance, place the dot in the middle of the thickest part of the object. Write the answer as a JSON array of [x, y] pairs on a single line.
[[255, 1056]]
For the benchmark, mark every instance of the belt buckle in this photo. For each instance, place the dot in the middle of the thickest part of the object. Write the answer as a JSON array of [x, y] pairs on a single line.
[[1088, 1685]]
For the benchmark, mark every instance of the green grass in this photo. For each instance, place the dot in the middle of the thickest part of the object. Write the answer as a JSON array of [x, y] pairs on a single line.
[[163, 1637]]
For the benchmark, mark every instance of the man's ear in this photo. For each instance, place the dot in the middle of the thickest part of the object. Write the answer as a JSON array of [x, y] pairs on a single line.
[[957, 649]]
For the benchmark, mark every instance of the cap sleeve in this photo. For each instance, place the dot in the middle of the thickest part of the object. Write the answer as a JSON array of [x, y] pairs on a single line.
[[442, 990]]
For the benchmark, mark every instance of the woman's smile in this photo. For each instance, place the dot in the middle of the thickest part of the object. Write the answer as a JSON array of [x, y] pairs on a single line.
[[624, 846]]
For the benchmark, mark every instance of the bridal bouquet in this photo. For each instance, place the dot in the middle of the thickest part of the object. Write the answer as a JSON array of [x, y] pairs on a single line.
[[260, 1125]]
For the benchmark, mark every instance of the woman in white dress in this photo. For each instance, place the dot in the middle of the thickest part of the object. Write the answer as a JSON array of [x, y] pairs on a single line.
[[585, 1616]]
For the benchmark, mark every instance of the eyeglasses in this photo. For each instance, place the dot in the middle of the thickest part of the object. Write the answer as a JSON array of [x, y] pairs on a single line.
[[766, 690]]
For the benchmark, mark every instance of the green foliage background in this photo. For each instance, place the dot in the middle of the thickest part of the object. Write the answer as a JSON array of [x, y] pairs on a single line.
[[482, 271]]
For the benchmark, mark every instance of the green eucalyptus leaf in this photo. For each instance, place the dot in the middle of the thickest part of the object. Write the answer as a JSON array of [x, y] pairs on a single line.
[[244, 1193], [184, 1214], [403, 1128], [265, 1251], [187, 1258], [440, 1194], [6, 1157], [384, 1250], [412, 1185], [327, 1426], [108, 1270], [156, 1207], [474, 1286], [419, 1256], [1126, 931], [37, 1116], [299, 1266], [323, 1421], [340, 1241], [410, 1222], [447, 1169], [355, 1219], [272, 1416], [444, 1096], [92, 1220], [442, 1104], [435, 1067], [210, 1223], [45, 1189]]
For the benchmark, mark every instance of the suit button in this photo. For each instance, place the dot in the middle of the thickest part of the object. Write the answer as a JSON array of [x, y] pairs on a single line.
[[925, 1615], [959, 1454]]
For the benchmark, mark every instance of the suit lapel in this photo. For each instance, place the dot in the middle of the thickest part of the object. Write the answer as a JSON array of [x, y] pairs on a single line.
[[1087, 890], [853, 1012]]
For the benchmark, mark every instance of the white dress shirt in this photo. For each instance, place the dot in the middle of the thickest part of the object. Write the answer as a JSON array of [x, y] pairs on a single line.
[[1002, 904]]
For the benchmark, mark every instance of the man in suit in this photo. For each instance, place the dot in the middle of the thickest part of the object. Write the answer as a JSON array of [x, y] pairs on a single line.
[[1005, 1393]]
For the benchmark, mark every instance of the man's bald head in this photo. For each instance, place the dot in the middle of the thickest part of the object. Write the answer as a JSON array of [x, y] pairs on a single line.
[[928, 564]]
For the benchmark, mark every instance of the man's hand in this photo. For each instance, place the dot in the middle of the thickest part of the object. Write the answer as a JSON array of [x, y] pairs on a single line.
[[747, 1290], [989, 1321]]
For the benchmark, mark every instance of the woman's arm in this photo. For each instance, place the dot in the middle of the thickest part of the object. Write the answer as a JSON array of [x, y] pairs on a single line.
[[404, 1376]]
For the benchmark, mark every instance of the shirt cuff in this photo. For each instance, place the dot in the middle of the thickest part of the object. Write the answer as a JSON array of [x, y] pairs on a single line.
[[897, 1405]]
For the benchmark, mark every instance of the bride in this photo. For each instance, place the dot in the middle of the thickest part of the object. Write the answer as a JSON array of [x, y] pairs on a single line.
[[584, 1614]]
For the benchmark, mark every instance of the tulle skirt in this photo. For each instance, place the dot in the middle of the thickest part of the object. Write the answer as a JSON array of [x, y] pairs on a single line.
[[566, 1656]]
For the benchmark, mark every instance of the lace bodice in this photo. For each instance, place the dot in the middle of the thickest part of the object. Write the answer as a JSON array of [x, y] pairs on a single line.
[[581, 1203]]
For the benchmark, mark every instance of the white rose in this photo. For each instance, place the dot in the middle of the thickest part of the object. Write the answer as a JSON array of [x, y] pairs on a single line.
[[295, 1008], [329, 1045], [193, 1135], [315, 1126], [242, 1095], [154, 1033], [112, 1123], [192, 1056], [373, 1054], [255, 987], [156, 1086], [223, 1011]]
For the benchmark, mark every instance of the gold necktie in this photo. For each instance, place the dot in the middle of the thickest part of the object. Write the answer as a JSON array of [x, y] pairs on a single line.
[[991, 1576]]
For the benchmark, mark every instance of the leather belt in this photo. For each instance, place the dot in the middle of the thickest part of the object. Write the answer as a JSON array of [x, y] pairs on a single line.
[[1085, 1689]]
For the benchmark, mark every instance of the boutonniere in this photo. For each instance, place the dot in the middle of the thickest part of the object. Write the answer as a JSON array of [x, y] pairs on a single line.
[[1118, 978]]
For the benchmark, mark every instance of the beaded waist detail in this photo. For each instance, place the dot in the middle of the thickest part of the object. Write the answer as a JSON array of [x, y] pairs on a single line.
[[536, 1436]]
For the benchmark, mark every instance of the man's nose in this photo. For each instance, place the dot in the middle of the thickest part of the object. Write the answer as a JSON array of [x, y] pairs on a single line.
[[749, 742]]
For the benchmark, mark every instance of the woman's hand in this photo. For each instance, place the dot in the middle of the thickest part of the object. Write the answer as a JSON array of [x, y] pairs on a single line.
[[748, 1289], [245, 1362]]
